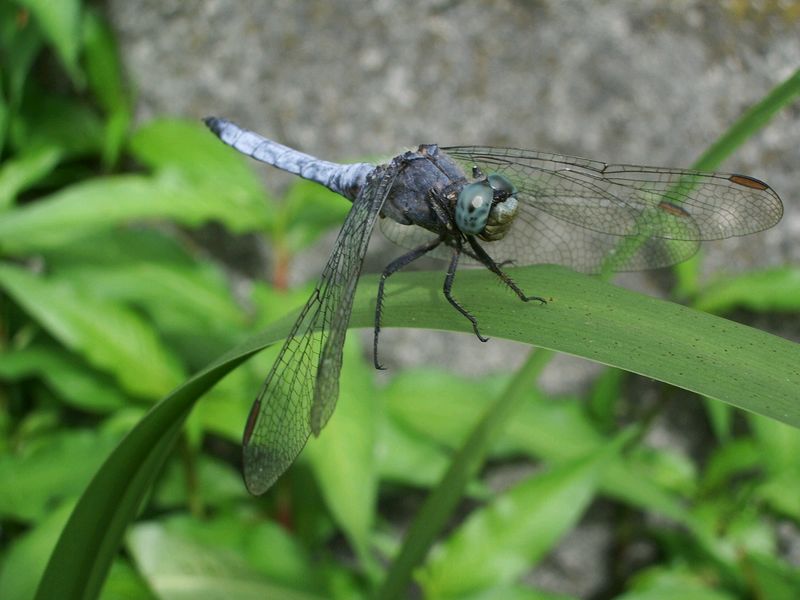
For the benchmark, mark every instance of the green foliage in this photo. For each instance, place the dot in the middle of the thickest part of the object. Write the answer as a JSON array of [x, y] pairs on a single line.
[[106, 306], [498, 543]]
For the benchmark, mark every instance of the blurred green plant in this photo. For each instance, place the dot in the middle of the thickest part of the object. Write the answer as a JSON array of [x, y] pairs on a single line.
[[108, 305]]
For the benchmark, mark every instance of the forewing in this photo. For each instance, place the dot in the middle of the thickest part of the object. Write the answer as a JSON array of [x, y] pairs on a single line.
[[302, 385], [575, 211]]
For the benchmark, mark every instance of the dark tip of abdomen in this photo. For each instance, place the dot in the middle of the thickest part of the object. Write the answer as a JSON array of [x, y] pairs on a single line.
[[214, 124]]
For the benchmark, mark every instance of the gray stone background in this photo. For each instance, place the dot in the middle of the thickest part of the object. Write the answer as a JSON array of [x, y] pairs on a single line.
[[650, 81]]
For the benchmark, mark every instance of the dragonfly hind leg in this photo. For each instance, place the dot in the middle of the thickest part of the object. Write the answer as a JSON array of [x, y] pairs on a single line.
[[489, 263], [390, 269]]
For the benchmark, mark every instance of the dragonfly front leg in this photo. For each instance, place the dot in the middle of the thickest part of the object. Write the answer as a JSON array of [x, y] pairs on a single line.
[[393, 267], [487, 261], [448, 287]]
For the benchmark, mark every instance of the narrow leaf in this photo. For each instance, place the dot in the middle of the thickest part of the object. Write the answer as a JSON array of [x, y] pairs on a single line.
[[91, 538], [103, 203], [70, 378], [498, 543], [586, 317], [178, 568], [771, 290], [24, 170], [110, 336], [60, 22]]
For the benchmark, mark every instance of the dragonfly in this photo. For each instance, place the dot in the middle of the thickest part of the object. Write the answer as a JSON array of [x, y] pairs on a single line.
[[480, 205]]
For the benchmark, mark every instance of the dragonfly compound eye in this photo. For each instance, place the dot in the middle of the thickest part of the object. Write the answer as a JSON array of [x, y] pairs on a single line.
[[502, 187], [473, 206]]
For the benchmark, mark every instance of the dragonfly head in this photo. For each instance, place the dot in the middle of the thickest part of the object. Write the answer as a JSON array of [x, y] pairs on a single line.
[[487, 207]]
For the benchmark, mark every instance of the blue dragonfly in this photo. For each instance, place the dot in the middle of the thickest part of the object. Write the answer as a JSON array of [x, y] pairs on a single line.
[[481, 205]]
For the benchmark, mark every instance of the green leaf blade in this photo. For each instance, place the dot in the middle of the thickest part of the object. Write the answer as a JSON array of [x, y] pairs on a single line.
[[110, 337], [775, 290], [586, 317], [107, 202], [60, 23], [498, 543]]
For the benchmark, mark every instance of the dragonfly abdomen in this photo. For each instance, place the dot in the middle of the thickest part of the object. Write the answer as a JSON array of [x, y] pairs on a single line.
[[346, 180]]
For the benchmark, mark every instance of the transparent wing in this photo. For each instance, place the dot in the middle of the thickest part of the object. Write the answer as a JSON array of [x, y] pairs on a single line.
[[543, 239], [575, 211], [300, 392]]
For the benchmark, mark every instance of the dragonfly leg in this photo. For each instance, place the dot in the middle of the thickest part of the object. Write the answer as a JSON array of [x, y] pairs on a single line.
[[497, 270], [448, 287], [392, 268]]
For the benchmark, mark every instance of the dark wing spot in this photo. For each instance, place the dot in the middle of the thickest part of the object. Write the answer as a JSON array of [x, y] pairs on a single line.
[[251, 421], [747, 181], [672, 209]]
